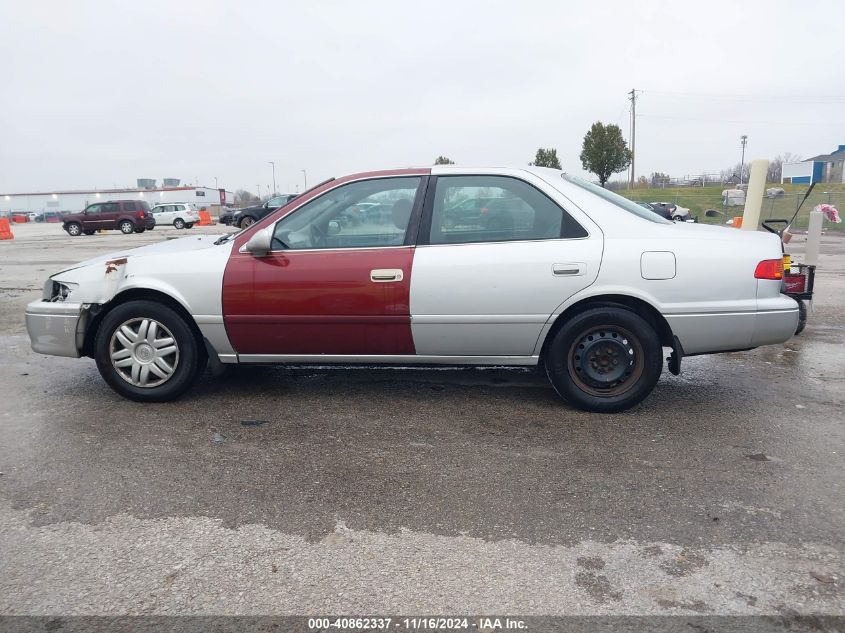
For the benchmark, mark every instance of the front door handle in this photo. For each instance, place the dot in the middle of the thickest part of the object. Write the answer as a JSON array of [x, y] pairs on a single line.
[[385, 275], [569, 270]]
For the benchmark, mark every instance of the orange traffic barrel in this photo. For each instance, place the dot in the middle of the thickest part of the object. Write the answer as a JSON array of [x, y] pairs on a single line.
[[5, 230]]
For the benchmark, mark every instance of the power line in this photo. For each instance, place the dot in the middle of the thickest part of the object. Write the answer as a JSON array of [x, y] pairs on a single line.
[[757, 121], [749, 97]]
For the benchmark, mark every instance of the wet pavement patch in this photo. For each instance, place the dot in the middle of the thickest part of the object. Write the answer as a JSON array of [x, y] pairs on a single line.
[[254, 422]]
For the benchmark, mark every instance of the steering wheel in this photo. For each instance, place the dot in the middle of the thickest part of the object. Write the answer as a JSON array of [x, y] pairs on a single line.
[[318, 236]]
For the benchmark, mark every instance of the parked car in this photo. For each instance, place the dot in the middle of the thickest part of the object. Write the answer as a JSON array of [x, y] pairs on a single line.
[[246, 217], [182, 215], [591, 289], [226, 214], [126, 216], [670, 211]]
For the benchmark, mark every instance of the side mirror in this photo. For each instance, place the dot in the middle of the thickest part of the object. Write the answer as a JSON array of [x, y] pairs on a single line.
[[259, 244], [333, 227]]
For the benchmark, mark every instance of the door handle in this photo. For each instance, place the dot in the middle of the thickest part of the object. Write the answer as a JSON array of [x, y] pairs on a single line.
[[384, 275], [569, 270]]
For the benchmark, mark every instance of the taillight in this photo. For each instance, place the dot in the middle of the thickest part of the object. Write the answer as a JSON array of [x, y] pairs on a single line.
[[769, 269], [139, 214]]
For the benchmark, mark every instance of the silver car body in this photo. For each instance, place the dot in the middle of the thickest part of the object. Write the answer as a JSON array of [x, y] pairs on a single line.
[[483, 303]]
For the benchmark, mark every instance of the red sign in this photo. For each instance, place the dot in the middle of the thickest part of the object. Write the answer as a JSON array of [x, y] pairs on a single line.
[[222, 196]]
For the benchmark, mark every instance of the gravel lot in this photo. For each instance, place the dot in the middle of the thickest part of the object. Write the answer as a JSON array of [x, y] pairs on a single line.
[[318, 490]]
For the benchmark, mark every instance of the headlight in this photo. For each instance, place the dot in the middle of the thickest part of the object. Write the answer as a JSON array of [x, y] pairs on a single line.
[[57, 291]]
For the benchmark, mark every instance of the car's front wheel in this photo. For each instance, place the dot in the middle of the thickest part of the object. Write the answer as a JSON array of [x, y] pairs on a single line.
[[126, 227], [605, 359], [179, 223], [147, 352], [247, 222]]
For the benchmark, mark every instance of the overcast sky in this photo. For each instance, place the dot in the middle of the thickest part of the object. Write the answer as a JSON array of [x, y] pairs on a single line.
[[101, 93]]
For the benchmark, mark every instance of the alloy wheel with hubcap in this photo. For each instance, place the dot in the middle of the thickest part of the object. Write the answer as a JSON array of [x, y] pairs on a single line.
[[147, 351], [179, 223], [74, 229], [126, 227], [144, 352]]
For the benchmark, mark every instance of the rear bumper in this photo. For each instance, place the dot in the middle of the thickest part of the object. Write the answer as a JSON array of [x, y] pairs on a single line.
[[57, 329], [726, 331], [149, 223]]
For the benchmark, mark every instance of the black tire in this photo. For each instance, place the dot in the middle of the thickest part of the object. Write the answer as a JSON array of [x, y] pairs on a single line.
[[179, 223], [126, 227], [802, 318], [189, 225], [605, 359], [74, 229], [246, 222], [187, 362], [140, 229], [89, 232]]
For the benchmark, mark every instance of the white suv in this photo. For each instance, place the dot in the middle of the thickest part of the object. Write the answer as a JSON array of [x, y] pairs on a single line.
[[181, 215]]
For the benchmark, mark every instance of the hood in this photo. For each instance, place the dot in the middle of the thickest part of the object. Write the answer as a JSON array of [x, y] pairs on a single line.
[[182, 245]]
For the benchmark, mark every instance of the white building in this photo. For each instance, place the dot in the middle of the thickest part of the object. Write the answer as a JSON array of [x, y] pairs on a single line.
[[74, 201]]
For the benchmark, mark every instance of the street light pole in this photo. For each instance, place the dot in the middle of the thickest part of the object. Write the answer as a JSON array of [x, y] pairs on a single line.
[[743, 139], [305, 180], [274, 175], [259, 192]]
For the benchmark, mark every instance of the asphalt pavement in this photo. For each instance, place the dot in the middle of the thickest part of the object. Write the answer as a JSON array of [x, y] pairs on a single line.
[[405, 491]]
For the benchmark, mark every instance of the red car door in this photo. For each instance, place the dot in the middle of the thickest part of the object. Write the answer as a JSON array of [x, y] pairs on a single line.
[[334, 283]]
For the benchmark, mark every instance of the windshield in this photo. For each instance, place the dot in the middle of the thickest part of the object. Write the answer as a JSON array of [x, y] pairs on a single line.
[[619, 201]]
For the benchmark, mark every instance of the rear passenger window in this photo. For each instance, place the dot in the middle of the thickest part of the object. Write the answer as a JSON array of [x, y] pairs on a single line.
[[129, 206], [496, 209]]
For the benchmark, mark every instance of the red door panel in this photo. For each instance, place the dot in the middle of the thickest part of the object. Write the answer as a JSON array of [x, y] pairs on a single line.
[[318, 302]]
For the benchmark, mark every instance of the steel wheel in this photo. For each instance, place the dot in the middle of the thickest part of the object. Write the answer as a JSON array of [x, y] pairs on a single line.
[[144, 352], [126, 227], [606, 360]]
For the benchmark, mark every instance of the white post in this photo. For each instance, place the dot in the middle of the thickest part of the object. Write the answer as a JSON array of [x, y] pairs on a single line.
[[814, 238], [754, 195]]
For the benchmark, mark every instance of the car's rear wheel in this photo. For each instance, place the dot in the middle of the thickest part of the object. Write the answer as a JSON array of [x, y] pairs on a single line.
[[179, 223], [605, 359], [146, 351], [73, 229], [247, 222], [126, 227], [189, 225]]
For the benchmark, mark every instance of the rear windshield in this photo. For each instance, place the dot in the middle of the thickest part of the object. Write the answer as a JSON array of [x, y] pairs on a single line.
[[619, 201], [144, 205]]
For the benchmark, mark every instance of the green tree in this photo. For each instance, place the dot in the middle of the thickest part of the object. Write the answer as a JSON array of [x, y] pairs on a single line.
[[546, 158], [604, 152], [443, 160]]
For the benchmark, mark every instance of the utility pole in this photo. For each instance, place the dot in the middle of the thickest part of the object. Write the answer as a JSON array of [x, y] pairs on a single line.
[[633, 94], [259, 191], [274, 176], [305, 179], [742, 139]]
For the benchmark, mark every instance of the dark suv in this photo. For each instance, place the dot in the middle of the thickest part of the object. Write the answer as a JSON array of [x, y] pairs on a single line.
[[246, 217], [126, 216]]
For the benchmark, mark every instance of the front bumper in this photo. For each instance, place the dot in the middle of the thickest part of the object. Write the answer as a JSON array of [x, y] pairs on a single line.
[[56, 328]]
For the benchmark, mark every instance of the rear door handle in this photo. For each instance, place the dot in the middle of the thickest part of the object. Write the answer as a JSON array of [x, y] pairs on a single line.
[[385, 275], [569, 270]]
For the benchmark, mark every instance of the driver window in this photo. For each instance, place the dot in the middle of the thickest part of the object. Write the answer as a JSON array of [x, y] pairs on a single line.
[[368, 213]]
